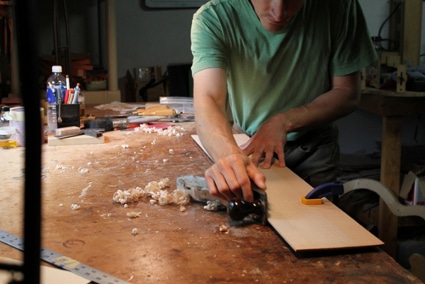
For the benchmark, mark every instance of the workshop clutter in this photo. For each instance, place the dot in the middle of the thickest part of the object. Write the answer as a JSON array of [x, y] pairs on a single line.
[[83, 72], [148, 83], [413, 189], [63, 102], [12, 130], [179, 104]]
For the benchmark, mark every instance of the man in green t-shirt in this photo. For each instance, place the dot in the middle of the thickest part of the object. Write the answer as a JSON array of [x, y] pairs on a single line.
[[285, 69]]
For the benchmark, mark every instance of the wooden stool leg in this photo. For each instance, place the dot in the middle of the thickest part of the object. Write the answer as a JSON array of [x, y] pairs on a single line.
[[390, 177]]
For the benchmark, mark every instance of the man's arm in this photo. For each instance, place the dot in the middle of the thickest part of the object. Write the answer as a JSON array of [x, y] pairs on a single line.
[[270, 138], [231, 175]]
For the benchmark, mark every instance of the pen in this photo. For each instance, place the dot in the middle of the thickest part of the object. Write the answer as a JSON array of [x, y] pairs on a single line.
[[67, 92], [76, 93]]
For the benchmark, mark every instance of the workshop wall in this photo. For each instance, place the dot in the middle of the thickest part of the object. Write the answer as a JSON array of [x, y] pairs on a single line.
[[160, 37], [360, 131]]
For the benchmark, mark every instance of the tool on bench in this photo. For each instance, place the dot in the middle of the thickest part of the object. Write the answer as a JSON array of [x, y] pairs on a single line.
[[335, 189], [239, 209], [99, 123], [197, 189], [71, 131]]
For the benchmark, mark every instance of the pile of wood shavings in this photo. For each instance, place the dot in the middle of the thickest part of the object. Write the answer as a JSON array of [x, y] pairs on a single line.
[[156, 190], [171, 130]]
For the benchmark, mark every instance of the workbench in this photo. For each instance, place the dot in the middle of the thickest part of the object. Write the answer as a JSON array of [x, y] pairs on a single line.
[[392, 107], [173, 244]]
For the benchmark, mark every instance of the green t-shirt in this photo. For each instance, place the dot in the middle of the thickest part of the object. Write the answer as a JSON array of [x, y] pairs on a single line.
[[271, 72]]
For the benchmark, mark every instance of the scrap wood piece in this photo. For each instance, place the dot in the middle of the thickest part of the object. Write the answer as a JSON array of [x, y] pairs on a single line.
[[161, 110], [76, 140]]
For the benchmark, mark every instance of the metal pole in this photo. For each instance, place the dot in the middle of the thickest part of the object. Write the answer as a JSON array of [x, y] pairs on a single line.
[[27, 40]]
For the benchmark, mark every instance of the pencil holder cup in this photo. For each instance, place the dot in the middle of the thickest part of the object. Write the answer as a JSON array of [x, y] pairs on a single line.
[[68, 115]]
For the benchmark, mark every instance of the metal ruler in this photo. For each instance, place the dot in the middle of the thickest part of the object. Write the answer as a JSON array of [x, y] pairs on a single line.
[[64, 262]]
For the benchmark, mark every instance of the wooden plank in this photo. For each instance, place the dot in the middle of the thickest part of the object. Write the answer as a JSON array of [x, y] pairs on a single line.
[[76, 140], [412, 23], [387, 103], [307, 227], [390, 177]]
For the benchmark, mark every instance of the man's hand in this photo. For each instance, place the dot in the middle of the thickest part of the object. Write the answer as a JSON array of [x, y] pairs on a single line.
[[269, 140], [230, 178]]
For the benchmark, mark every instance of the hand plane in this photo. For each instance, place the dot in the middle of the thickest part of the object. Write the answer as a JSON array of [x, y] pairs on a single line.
[[237, 210]]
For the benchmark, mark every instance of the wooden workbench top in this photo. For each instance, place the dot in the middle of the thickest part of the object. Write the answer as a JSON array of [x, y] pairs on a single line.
[[171, 245]]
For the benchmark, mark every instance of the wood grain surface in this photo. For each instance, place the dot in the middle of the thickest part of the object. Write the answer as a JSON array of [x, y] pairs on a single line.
[[172, 245]]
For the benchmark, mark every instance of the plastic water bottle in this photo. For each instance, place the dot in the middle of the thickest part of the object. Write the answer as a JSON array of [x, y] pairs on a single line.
[[56, 86]]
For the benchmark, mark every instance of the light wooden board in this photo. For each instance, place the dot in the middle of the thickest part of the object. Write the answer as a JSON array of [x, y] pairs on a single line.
[[307, 227], [76, 140]]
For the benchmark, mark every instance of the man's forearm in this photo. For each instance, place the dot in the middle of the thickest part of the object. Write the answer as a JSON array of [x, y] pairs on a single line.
[[214, 130], [336, 103]]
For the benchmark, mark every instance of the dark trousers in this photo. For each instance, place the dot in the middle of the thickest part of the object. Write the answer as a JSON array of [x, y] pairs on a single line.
[[315, 156]]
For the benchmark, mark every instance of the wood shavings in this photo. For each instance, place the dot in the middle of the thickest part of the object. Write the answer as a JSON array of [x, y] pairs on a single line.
[[84, 191], [157, 191], [82, 170], [106, 215], [223, 229], [213, 205], [63, 167], [75, 206], [172, 130], [133, 214]]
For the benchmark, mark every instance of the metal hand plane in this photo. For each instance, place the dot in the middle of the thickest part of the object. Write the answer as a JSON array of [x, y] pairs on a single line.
[[197, 189]]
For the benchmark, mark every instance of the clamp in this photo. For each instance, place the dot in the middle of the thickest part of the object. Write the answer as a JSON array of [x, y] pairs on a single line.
[[314, 197]]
